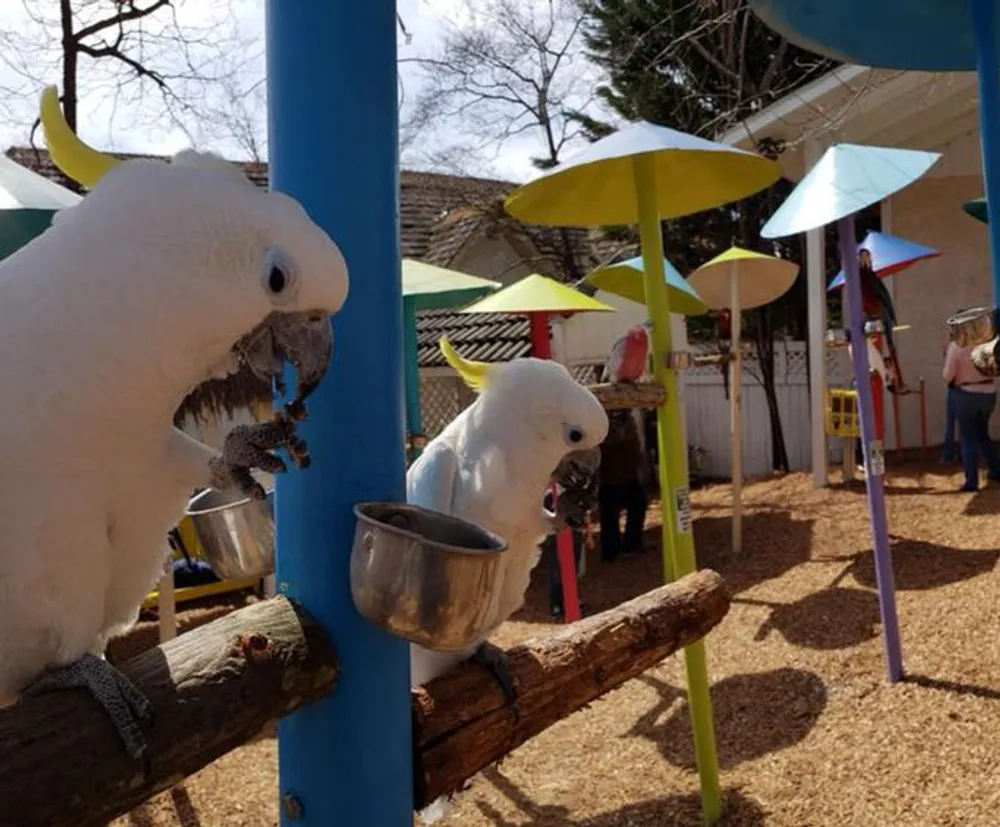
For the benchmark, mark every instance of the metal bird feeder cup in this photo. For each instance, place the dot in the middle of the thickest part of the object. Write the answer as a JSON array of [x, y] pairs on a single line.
[[430, 578], [235, 532]]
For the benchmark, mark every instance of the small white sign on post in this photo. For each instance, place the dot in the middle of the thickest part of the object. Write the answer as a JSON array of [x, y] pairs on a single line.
[[876, 458], [682, 500]]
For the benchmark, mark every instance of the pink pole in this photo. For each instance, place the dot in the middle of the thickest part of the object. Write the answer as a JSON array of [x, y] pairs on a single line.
[[541, 348]]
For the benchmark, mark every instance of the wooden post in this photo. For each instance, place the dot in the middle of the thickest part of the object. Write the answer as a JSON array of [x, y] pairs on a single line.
[[847, 447], [923, 415], [735, 409], [816, 292], [897, 437], [166, 603]]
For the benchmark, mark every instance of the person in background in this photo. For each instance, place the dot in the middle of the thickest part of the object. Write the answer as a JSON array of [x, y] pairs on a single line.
[[975, 399], [623, 477]]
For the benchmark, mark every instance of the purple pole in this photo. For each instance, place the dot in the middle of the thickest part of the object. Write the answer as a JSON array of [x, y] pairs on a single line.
[[874, 481]]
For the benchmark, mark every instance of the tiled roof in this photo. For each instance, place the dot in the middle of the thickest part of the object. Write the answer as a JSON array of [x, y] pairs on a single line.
[[483, 337], [439, 214]]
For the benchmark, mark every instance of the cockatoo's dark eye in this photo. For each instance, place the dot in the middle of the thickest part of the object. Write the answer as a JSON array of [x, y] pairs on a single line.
[[574, 436], [277, 280], [278, 276]]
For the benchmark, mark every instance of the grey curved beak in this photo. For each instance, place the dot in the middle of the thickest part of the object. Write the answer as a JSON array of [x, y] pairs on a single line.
[[303, 339]]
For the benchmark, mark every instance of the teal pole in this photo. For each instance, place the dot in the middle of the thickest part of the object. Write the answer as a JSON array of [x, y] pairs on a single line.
[[411, 367]]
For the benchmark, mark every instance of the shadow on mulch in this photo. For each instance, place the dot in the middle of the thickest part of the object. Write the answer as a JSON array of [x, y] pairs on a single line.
[[186, 814], [835, 618], [755, 714], [679, 810], [857, 487], [986, 502], [918, 566], [970, 690], [607, 585], [842, 617], [774, 543]]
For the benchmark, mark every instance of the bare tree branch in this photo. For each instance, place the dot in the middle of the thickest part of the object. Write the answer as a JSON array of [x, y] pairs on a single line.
[[192, 54], [513, 68]]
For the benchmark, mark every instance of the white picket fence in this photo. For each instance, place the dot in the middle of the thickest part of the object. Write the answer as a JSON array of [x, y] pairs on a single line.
[[706, 408]]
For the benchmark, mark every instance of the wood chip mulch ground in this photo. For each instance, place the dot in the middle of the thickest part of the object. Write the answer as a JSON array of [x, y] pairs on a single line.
[[809, 734]]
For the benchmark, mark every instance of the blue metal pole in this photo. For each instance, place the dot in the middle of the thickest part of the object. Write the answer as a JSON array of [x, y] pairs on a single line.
[[346, 761], [984, 22]]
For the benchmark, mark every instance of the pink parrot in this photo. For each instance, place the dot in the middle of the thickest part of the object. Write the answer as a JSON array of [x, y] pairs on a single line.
[[629, 356]]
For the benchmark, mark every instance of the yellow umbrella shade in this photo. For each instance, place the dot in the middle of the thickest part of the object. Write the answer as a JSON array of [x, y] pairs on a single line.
[[420, 279], [625, 279], [538, 294], [760, 278], [597, 186]]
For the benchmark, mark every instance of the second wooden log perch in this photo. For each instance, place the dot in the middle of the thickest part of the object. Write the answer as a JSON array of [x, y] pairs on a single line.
[[622, 395], [213, 689], [462, 724]]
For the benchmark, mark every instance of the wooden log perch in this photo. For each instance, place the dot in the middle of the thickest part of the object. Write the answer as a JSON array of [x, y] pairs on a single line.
[[213, 689], [462, 724], [622, 395], [703, 359]]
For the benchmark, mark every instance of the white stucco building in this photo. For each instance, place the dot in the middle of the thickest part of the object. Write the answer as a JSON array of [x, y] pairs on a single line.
[[917, 110]]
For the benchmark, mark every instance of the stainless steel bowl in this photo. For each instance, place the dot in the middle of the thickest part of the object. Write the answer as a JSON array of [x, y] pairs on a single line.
[[235, 532], [972, 327], [430, 578]]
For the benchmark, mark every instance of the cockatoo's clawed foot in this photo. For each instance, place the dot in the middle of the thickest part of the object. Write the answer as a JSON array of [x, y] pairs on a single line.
[[250, 446], [495, 660], [124, 704]]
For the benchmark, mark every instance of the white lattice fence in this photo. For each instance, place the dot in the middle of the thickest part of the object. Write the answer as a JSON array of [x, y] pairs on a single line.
[[707, 413], [442, 398]]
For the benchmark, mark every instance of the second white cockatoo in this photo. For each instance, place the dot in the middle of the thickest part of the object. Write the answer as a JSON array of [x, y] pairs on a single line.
[[165, 276], [531, 422]]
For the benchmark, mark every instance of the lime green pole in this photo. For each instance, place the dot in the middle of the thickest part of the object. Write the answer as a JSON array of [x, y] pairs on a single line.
[[678, 539]]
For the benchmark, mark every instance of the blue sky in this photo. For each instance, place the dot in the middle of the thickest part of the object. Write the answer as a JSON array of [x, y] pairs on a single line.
[[129, 125]]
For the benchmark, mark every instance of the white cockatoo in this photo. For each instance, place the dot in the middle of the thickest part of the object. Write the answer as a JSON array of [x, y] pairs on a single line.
[[530, 423], [165, 276]]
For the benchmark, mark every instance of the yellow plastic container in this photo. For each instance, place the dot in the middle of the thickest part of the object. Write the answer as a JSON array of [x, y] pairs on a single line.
[[842, 412], [190, 539]]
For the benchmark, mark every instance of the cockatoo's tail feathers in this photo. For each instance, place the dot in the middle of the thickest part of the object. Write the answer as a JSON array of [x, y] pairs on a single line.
[[80, 162], [474, 374]]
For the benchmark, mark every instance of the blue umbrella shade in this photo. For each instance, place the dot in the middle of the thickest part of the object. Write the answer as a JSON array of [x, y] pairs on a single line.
[[848, 178], [925, 35], [624, 278], [890, 254]]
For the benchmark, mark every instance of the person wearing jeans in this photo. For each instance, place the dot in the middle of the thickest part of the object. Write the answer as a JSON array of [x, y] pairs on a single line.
[[975, 399], [949, 451]]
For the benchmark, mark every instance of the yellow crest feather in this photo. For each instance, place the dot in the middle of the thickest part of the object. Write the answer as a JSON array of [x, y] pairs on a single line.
[[474, 374], [82, 163]]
